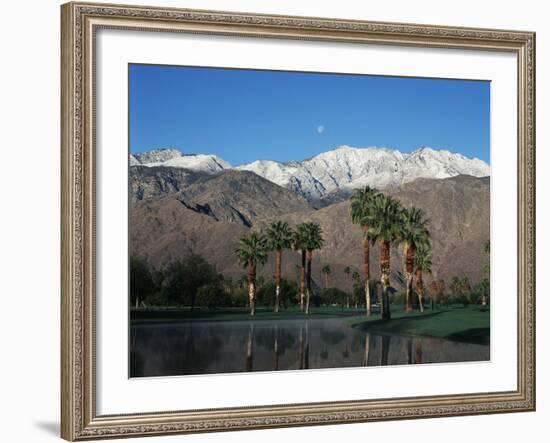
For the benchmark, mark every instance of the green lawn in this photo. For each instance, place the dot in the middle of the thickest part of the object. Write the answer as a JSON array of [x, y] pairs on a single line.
[[470, 325], [141, 316]]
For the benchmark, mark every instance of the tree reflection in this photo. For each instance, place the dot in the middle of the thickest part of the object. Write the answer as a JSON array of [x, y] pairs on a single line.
[[367, 348], [409, 351], [304, 347], [385, 350], [418, 354], [249, 345], [276, 349]]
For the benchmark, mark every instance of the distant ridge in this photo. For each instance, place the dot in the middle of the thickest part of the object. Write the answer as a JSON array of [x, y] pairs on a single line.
[[340, 169]]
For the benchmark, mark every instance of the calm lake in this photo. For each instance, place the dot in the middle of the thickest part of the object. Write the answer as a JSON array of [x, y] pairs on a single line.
[[269, 345]]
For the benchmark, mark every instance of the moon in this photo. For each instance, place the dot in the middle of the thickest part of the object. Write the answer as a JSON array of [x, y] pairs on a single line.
[[320, 129]]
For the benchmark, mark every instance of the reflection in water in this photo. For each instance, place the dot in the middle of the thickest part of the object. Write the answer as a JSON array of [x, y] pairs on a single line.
[[249, 348], [367, 345], [384, 354], [418, 355], [409, 351], [276, 349], [265, 345]]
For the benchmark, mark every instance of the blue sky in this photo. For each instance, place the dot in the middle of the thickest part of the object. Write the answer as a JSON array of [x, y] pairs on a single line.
[[246, 115]]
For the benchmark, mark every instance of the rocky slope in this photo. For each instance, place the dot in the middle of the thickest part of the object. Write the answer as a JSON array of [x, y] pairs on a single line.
[[208, 214]]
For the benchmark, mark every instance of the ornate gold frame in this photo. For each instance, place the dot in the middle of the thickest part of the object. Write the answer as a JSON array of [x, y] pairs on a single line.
[[79, 420]]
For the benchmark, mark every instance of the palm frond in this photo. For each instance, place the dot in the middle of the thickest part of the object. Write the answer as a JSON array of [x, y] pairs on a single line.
[[252, 249]]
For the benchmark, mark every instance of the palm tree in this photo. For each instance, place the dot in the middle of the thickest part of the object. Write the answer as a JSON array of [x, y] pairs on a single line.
[[361, 211], [313, 239], [279, 236], [422, 263], [466, 289], [326, 270], [299, 244], [356, 277], [414, 234], [386, 229], [347, 271], [251, 251]]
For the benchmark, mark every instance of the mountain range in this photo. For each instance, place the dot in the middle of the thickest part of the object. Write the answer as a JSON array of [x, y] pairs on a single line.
[[177, 210], [336, 171]]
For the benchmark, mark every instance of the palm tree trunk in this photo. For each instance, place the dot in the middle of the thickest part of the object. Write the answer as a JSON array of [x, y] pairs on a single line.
[[326, 280], [366, 263], [279, 259], [409, 269], [252, 289], [385, 278], [367, 299], [420, 288], [303, 280], [308, 279]]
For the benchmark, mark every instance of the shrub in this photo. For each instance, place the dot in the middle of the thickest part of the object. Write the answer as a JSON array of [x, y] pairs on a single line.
[[182, 279], [332, 296], [288, 294], [212, 296], [156, 299], [239, 298], [142, 284]]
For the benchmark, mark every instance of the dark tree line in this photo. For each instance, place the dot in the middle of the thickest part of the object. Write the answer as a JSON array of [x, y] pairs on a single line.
[[187, 282]]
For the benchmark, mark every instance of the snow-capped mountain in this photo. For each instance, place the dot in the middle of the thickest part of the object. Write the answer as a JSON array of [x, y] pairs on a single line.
[[156, 156], [347, 167], [342, 168], [176, 159]]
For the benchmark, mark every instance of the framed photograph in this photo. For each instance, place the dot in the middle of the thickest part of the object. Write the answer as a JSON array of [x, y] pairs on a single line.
[[283, 221]]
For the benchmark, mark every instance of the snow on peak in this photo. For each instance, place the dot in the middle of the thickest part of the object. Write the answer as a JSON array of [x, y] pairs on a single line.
[[157, 155], [343, 167], [134, 161], [349, 167], [176, 159], [198, 162]]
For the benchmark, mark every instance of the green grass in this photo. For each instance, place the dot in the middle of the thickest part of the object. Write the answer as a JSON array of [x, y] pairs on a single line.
[[237, 314], [469, 325]]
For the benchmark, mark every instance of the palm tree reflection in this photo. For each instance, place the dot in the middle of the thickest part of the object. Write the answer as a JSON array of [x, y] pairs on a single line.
[[367, 346], [249, 345], [385, 350], [304, 347], [418, 355], [276, 349]]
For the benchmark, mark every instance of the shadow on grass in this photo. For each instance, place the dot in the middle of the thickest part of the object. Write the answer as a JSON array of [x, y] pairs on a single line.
[[429, 325], [395, 324], [478, 336]]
